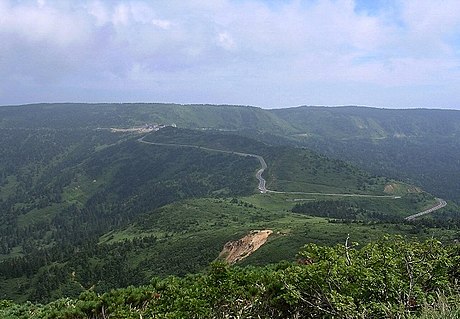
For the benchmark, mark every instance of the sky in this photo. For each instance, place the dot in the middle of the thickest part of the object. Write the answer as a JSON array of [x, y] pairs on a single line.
[[266, 53]]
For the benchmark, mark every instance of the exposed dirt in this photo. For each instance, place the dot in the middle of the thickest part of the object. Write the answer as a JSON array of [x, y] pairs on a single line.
[[389, 188], [414, 190], [395, 188], [235, 251]]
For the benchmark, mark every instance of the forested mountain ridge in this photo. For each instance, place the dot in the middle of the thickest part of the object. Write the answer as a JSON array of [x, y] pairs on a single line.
[[74, 115], [334, 122], [376, 123], [78, 201], [421, 146], [87, 207]]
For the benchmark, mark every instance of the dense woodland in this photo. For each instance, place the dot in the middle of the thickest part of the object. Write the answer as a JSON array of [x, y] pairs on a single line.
[[429, 162], [84, 210], [59, 202], [388, 278], [421, 146]]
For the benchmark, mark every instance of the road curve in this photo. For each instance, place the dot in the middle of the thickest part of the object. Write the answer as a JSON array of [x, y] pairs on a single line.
[[262, 183], [441, 203], [259, 173], [263, 166]]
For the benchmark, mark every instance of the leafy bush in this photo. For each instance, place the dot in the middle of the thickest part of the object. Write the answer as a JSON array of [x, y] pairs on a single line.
[[391, 277]]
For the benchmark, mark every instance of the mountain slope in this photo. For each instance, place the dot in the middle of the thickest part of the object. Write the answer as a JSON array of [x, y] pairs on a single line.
[[419, 146], [353, 122], [72, 115], [85, 207]]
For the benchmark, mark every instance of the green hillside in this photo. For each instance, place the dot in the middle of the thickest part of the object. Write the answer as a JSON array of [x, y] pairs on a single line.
[[100, 194], [388, 278], [83, 207], [87, 176], [420, 146], [351, 122], [73, 115], [185, 237]]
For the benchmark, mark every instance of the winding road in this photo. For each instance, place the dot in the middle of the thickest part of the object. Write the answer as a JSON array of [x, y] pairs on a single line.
[[259, 173], [441, 203], [262, 183]]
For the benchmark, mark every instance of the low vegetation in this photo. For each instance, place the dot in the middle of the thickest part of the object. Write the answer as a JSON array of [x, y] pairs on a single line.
[[391, 277], [89, 214]]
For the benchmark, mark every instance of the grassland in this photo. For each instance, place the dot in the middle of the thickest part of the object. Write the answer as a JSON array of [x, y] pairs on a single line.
[[194, 231]]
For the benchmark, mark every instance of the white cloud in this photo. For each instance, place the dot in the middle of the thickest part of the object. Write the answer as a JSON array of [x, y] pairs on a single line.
[[38, 23], [121, 15], [162, 24], [226, 41], [246, 44], [99, 11]]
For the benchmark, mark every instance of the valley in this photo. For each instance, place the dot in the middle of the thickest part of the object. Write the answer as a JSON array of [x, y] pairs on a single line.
[[230, 159], [91, 209]]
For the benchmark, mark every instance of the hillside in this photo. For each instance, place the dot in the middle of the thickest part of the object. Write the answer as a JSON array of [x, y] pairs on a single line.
[[61, 190], [84, 207], [389, 278], [95, 175], [351, 122], [90, 211], [420, 146], [73, 115], [289, 169], [327, 122]]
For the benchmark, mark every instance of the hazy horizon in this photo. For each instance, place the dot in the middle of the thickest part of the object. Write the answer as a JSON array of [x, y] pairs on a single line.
[[237, 105], [264, 53]]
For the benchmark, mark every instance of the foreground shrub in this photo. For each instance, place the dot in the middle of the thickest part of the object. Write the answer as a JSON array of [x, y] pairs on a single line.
[[391, 278]]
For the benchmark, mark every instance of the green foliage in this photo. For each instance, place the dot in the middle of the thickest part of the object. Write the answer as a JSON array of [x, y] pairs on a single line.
[[444, 307], [388, 278], [333, 209], [365, 209], [421, 146], [289, 169], [83, 207], [388, 271]]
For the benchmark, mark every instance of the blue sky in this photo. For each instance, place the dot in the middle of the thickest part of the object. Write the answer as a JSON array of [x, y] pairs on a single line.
[[267, 53]]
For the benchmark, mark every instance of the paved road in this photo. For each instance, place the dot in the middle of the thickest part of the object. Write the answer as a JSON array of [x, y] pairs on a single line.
[[441, 203], [259, 173], [336, 194], [262, 183]]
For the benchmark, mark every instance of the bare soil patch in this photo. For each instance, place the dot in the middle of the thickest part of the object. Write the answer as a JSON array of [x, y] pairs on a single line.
[[235, 251]]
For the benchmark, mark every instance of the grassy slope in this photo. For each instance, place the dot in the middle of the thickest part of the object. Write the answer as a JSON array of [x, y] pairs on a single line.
[[195, 231]]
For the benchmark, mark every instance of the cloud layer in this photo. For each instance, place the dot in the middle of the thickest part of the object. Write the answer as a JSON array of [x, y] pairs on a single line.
[[258, 52]]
